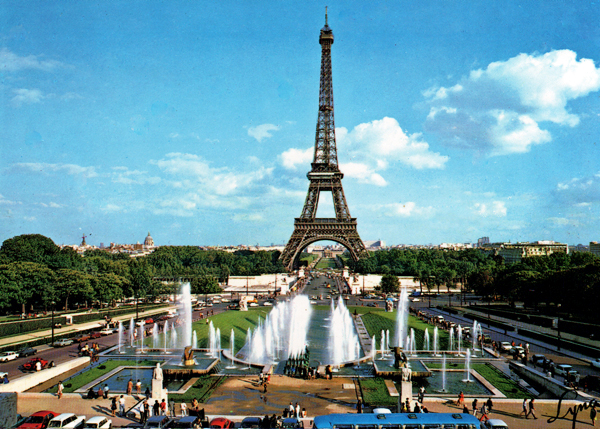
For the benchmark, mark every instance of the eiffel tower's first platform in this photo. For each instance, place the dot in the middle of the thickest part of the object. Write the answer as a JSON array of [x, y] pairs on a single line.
[[325, 175]]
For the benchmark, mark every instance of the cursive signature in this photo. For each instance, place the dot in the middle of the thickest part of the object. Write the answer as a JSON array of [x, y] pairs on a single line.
[[572, 410]]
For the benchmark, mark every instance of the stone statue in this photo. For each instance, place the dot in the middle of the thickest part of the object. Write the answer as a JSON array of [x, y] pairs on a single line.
[[406, 373], [157, 374], [389, 306]]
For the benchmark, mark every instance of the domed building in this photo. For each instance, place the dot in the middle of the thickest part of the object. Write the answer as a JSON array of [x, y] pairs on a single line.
[[148, 242]]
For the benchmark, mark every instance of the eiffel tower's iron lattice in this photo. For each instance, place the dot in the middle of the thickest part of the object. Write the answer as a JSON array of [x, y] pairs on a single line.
[[325, 175]]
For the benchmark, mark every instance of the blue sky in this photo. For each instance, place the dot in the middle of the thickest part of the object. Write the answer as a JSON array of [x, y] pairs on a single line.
[[195, 121]]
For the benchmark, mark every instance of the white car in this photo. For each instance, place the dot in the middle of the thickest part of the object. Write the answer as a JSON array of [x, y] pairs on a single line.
[[63, 342], [98, 422], [416, 300], [505, 346], [596, 362], [6, 356], [495, 424], [225, 300], [67, 420], [564, 370], [267, 304], [107, 331], [253, 304]]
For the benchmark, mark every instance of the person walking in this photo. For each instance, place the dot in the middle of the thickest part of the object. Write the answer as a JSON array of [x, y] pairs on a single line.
[[359, 406], [145, 411], [484, 411], [106, 390], [122, 406], [531, 409], [291, 410], [297, 411], [593, 414], [489, 404], [421, 394], [183, 409], [129, 386], [138, 387], [156, 408], [59, 392], [163, 408], [461, 399], [524, 411]]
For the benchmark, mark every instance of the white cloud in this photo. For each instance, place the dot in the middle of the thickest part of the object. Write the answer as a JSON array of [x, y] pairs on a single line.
[[498, 110], [580, 191], [363, 173], [263, 131], [111, 208], [3, 200], [12, 62], [407, 209], [248, 217], [496, 209], [133, 177], [293, 157], [26, 96], [71, 169]]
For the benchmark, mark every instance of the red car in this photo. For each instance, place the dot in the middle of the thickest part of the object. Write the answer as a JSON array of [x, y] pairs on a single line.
[[30, 366], [221, 423], [38, 420], [149, 321], [95, 334]]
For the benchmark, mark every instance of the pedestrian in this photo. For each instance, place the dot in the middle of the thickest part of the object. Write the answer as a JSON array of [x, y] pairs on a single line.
[[417, 409], [38, 366], [59, 392], [291, 410], [531, 409], [100, 393], [5, 379], [106, 390], [138, 387], [265, 388], [489, 404], [122, 406], [163, 408], [129, 386], [461, 399], [113, 406], [359, 406], [524, 410], [183, 409], [484, 412], [145, 411], [421, 394], [593, 414], [172, 408], [474, 406], [407, 405], [466, 410], [297, 414], [155, 408]]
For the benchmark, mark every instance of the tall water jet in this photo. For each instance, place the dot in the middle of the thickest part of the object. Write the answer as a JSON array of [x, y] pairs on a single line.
[[382, 344], [435, 341], [474, 335], [402, 319], [283, 332], [413, 345], [373, 347], [232, 347], [141, 334], [185, 315], [155, 338], [387, 339], [343, 339], [194, 340], [173, 338], [444, 373], [120, 335], [468, 367], [426, 340], [131, 331], [165, 334], [460, 334], [451, 340]]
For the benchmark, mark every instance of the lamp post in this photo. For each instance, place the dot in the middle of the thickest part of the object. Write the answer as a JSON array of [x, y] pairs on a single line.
[[53, 303]]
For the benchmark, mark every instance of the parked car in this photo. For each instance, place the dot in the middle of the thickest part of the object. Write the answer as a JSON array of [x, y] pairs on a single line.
[[95, 334], [221, 423], [518, 352], [505, 346], [591, 382], [63, 342], [495, 424], [67, 420], [6, 356], [107, 331], [291, 423], [157, 422], [27, 351], [31, 364], [596, 362], [98, 422], [563, 369], [38, 420], [539, 360], [186, 422], [267, 304], [149, 321], [250, 422]]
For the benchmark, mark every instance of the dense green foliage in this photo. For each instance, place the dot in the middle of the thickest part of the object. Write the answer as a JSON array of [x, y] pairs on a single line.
[[34, 272]]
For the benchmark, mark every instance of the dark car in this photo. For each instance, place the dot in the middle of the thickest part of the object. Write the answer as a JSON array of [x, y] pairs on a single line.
[[186, 422], [38, 420], [157, 422], [251, 422], [27, 351], [591, 382]]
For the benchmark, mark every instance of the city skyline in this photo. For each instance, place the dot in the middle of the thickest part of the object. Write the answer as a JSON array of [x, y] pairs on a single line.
[[196, 121]]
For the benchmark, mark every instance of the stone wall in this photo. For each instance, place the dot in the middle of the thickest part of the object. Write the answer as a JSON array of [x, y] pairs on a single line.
[[8, 410]]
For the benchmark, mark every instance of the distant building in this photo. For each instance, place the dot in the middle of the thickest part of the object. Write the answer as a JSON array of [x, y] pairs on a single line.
[[514, 252], [483, 241], [595, 248], [375, 244]]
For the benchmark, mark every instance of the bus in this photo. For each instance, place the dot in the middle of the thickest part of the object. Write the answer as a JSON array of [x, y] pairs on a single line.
[[397, 421]]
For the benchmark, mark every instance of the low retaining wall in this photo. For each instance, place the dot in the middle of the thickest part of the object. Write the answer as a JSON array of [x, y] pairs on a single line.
[[29, 381], [550, 384]]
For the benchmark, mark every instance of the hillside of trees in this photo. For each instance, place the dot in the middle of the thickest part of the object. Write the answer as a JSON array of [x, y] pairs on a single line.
[[34, 272]]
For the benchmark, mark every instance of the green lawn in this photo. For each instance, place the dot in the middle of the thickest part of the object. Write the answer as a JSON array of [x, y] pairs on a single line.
[[375, 393], [326, 263], [500, 381], [86, 377], [201, 390]]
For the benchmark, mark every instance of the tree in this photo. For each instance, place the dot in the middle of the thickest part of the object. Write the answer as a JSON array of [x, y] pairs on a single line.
[[24, 284], [73, 284], [28, 248], [389, 284], [205, 284]]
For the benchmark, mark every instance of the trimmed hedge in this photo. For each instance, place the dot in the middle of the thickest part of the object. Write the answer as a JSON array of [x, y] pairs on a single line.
[[564, 343]]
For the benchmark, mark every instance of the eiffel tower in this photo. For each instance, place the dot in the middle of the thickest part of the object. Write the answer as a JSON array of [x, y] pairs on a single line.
[[325, 175]]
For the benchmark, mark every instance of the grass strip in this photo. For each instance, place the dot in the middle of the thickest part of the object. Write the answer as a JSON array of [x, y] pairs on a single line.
[[500, 381], [201, 390], [375, 393]]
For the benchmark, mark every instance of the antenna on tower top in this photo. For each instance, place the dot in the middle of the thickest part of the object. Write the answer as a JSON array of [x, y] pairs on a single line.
[[325, 16]]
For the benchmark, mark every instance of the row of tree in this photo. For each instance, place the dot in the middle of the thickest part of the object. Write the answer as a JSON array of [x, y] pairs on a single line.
[[34, 272], [569, 282]]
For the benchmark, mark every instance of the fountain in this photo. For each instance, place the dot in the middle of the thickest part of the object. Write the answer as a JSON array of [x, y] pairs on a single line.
[[373, 347], [120, 336], [426, 340], [459, 340], [382, 347], [342, 337], [451, 341], [194, 340], [141, 335], [402, 318], [231, 349], [468, 367], [155, 337], [185, 315], [413, 346], [165, 335], [444, 374], [435, 341], [131, 331]]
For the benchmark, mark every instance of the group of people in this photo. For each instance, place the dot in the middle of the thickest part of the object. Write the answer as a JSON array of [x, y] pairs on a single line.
[[294, 411], [88, 350], [138, 387], [528, 408], [418, 408], [484, 410]]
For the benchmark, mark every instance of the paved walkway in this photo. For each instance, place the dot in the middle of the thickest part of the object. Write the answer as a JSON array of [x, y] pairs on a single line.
[[241, 397]]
